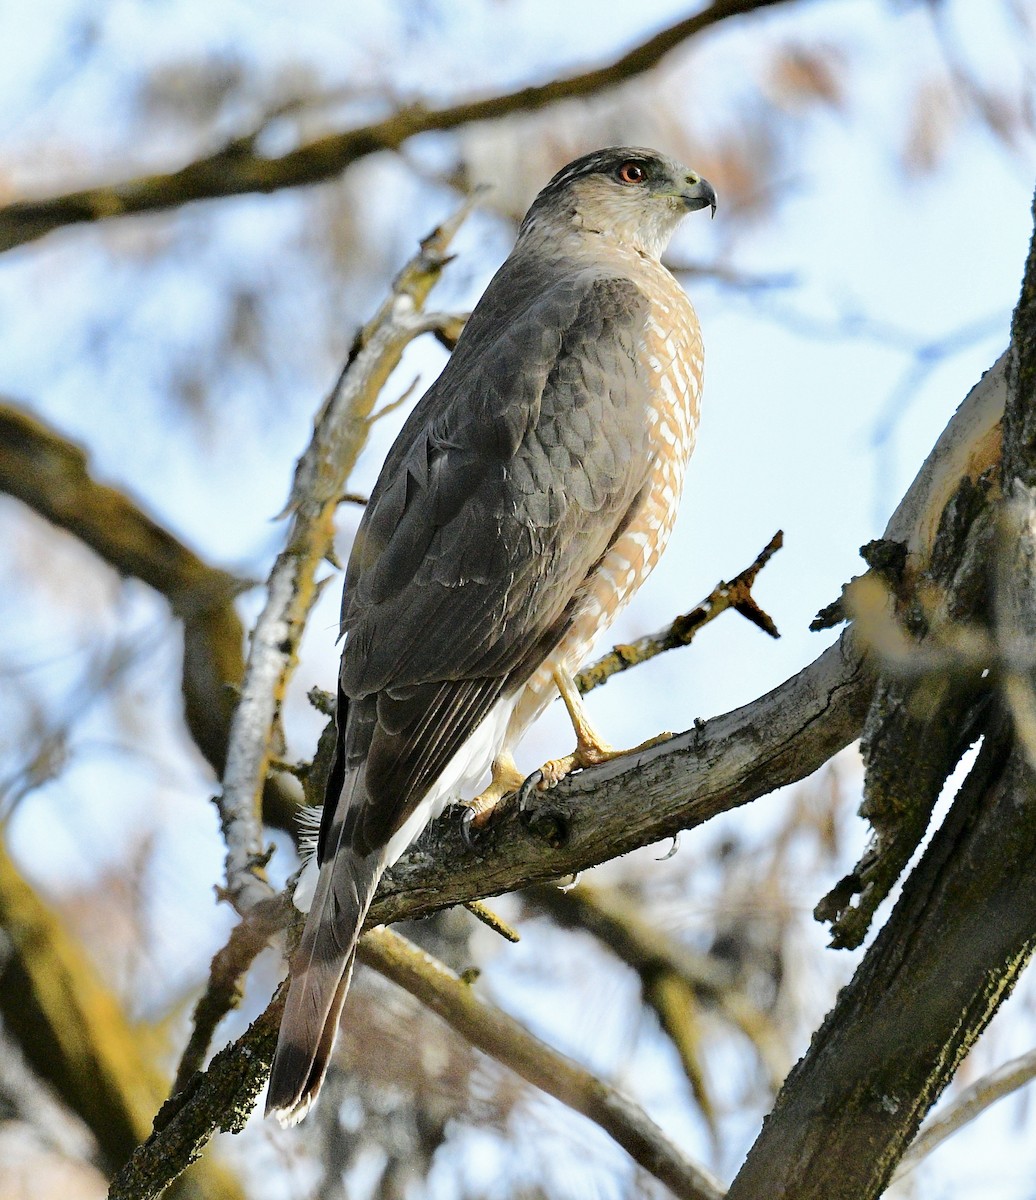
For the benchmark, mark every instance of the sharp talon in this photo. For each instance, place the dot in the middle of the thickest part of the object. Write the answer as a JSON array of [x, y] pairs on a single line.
[[467, 824], [531, 784], [671, 851], [567, 887]]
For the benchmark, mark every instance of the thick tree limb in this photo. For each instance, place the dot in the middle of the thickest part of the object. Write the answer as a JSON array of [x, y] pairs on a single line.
[[951, 952], [924, 713], [502, 1037], [237, 168], [965, 925]]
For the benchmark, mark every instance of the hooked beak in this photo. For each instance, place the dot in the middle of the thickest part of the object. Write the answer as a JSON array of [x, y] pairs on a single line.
[[698, 193]]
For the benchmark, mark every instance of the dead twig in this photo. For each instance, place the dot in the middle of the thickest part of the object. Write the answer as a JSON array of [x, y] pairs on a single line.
[[735, 594]]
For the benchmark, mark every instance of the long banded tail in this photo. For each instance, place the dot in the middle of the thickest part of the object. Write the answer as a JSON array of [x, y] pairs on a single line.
[[320, 972]]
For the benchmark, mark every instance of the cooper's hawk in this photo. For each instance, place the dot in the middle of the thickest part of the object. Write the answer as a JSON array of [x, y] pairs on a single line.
[[528, 496]]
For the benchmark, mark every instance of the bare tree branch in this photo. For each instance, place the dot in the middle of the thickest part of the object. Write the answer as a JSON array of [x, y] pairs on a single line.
[[237, 168], [641, 798], [502, 1037]]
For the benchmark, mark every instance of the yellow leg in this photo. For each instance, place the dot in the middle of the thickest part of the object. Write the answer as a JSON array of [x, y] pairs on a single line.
[[591, 748], [506, 779]]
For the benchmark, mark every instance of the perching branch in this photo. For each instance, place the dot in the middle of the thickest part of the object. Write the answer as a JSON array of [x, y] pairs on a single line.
[[237, 168], [502, 1037], [598, 814], [320, 475]]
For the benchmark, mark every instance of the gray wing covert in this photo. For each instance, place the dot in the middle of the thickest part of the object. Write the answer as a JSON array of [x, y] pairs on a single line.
[[505, 488]]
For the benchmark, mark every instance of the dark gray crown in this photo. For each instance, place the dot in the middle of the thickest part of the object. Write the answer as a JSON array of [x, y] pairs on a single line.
[[602, 162]]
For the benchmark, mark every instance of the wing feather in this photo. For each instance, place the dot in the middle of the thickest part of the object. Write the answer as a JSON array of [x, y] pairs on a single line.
[[503, 491]]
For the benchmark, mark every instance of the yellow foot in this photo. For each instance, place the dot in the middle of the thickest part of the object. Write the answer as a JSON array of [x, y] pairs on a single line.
[[588, 753], [506, 779]]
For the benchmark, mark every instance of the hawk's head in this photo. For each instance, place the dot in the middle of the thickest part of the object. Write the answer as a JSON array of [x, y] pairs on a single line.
[[634, 195]]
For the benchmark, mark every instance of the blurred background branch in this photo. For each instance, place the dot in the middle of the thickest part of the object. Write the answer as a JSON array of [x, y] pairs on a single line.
[[237, 168]]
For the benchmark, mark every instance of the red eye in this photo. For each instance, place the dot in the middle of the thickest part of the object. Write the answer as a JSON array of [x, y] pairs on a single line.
[[632, 172]]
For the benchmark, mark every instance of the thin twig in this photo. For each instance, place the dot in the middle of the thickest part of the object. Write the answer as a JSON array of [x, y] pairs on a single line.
[[339, 435], [502, 1037], [482, 912], [736, 594]]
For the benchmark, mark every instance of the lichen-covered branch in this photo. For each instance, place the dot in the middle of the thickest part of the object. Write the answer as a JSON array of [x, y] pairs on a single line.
[[220, 1099], [502, 1037], [340, 433], [238, 168], [735, 593]]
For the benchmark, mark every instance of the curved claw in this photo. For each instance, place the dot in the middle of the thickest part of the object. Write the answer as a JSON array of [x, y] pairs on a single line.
[[530, 785], [671, 851], [467, 824]]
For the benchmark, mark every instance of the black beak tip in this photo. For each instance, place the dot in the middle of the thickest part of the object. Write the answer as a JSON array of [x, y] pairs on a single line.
[[700, 194]]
